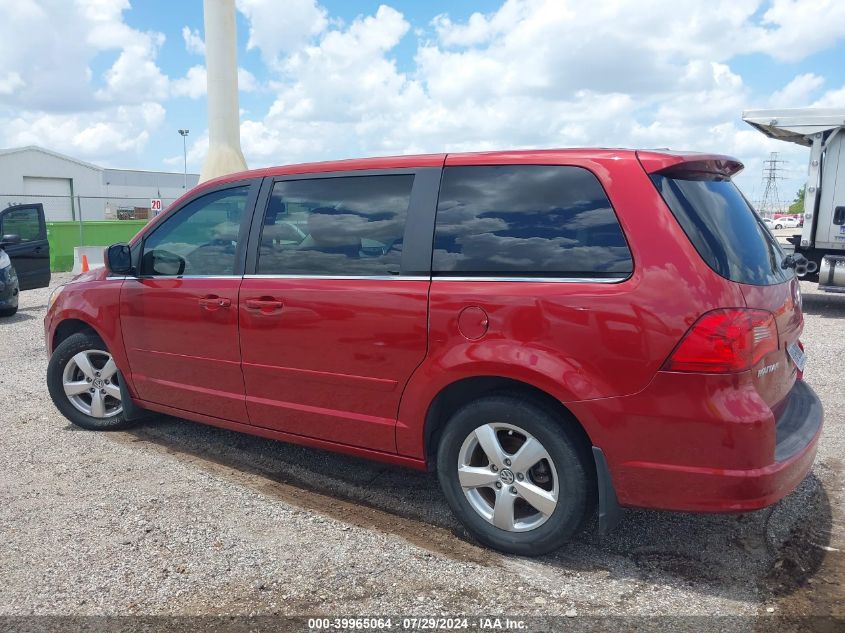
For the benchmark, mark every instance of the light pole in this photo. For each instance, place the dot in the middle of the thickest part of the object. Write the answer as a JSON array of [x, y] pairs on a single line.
[[184, 134]]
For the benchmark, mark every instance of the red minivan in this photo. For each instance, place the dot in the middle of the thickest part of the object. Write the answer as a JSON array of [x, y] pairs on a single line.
[[551, 330]]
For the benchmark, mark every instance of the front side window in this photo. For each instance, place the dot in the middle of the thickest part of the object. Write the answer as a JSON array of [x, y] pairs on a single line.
[[25, 223], [346, 226], [201, 238], [529, 221]]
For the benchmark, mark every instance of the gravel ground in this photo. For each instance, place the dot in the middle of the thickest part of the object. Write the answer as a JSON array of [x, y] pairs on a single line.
[[179, 518]]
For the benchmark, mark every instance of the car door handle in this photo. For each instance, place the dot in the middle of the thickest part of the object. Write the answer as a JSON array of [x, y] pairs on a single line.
[[213, 302], [267, 305]]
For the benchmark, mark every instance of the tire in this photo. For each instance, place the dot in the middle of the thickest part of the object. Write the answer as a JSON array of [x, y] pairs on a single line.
[[7, 312], [562, 472], [87, 394], [778, 226]]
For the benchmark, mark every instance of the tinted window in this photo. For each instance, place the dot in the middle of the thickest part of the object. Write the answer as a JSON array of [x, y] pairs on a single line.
[[24, 223], [335, 226], [527, 220], [200, 238], [724, 229]]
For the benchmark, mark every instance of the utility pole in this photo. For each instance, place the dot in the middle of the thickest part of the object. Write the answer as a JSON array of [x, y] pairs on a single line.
[[184, 134], [772, 172]]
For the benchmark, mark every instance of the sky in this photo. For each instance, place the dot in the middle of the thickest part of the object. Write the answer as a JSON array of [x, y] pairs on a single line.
[[111, 81]]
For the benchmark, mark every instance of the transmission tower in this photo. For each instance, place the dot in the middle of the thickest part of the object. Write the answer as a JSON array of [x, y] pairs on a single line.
[[772, 172]]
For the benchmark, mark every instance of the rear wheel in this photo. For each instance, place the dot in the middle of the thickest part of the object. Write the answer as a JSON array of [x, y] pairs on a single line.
[[514, 475], [7, 312], [84, 383]]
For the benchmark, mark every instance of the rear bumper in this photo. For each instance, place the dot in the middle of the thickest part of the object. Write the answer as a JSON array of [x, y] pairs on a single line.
[[696, 489], [712, 467]]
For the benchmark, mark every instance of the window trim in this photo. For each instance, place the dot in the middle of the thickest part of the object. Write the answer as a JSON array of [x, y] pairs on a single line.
[[419, 222], [461, 275], [253, 185]]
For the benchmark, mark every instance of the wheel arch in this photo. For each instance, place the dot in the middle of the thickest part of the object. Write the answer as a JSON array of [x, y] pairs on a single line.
[[460, 392], [68, 327]]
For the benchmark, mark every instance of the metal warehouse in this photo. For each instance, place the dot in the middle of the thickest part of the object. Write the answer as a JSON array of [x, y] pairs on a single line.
[[71, 189]]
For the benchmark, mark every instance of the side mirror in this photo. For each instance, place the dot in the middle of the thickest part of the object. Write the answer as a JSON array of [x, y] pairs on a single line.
[[119, 259], [10, 239]]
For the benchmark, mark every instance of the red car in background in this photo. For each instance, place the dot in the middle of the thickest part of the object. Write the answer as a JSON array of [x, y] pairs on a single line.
[[550, 331]]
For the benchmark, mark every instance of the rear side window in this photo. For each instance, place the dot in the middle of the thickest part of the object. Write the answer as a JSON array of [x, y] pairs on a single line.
[[527, 221], [724, 229], [346, 226]]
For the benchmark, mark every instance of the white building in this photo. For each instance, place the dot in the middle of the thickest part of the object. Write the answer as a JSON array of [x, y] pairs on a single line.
[[68, 187]]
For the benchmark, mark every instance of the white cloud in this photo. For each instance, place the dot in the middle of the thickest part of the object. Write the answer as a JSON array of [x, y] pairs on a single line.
[[794, 29], [49, 94], [529, 73], [535, 73], [10, 83], [192, 85], [109, 133], [798, 92], [193, 41], [832, 99], [276, 30], [135, 72]]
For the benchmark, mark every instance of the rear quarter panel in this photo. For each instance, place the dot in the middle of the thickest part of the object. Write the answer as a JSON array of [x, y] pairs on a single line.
[[576, 341]]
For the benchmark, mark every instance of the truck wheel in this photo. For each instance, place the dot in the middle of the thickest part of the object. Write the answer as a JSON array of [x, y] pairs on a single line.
[[84, 384], [515, 476]]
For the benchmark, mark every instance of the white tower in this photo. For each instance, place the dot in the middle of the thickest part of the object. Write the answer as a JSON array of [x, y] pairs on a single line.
[[221, 62]]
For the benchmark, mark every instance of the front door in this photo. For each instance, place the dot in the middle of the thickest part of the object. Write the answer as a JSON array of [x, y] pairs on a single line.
[[332, 323], [179, 316], [23, 235]]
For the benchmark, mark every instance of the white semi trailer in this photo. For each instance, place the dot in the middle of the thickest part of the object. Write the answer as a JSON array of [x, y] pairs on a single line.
[[822, 238]]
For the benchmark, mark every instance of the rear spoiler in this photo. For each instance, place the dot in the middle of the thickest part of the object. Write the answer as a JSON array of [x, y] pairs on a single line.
[[688, 164]]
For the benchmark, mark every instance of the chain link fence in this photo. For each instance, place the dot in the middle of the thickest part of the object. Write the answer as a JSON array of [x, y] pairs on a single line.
[[87, 220]]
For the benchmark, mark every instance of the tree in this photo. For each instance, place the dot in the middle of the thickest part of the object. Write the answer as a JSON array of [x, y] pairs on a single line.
[[797, 205]]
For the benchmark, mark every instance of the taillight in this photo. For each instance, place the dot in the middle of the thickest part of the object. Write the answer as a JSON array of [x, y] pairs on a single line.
[[728, 340]]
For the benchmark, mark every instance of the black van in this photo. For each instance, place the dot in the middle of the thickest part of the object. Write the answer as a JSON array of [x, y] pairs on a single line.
[[24, 253]]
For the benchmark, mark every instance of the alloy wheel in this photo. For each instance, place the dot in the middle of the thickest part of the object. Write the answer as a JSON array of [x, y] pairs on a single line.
[[90, 382], [508, 477]]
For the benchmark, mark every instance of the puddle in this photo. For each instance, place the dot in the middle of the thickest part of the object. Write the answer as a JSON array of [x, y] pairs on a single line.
[[807, 577]]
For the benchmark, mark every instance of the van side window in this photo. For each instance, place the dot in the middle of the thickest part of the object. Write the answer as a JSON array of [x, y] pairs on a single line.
[[24, 222], [346, 226], [200, 239], [527, 220]]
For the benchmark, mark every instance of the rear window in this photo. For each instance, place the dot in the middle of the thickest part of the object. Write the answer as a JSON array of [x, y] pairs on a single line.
[[724, 229], [527, 221]]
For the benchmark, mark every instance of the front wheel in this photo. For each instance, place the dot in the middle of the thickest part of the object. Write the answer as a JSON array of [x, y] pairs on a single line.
[[84, 383], [515, 475]]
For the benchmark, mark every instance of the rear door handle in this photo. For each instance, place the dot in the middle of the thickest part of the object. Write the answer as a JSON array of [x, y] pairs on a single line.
[[213, 302], [267, 305]]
